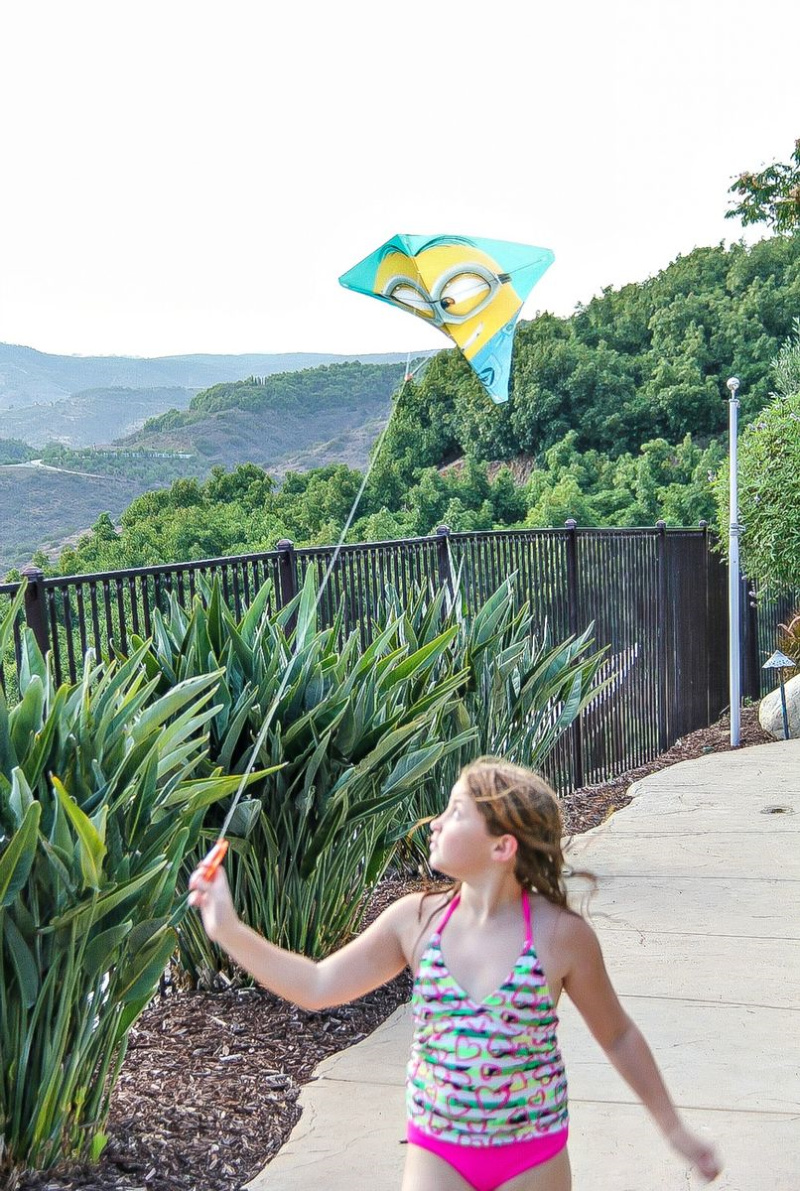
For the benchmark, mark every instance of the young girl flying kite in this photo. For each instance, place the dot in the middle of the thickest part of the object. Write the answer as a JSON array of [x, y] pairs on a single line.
[[486, 1090]]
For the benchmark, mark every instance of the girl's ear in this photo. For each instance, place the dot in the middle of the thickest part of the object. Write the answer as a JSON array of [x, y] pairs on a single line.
[[505, 847]]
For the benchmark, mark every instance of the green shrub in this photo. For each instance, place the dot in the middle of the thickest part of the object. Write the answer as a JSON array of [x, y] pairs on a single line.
[[99, 801]]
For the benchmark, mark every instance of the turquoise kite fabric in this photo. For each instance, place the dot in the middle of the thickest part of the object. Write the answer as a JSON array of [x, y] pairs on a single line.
[[471, 289]]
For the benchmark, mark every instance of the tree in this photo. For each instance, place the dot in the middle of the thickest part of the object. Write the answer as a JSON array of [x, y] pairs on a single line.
[[769, 466], [771, 196], [786, 365]]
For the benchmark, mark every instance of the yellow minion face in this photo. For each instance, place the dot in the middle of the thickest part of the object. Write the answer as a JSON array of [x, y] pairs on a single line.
[[457, 288]]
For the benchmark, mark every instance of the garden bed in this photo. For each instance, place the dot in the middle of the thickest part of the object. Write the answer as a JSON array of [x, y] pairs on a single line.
[[209, 1089]]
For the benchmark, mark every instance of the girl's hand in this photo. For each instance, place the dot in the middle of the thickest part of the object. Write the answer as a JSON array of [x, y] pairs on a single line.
[[213, 900], [699, 1151]]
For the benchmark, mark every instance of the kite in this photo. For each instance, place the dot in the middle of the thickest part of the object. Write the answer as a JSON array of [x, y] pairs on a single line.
[[471, 289]]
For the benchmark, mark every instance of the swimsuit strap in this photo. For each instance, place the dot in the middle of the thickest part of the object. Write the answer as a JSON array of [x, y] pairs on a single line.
[[447, 914], [526, 914]]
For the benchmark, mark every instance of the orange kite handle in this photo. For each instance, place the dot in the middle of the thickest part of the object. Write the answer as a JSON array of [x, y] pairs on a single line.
[[209, 866]]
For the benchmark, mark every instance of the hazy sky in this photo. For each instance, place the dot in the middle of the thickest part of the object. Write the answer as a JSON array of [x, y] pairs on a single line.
[[181, 177]]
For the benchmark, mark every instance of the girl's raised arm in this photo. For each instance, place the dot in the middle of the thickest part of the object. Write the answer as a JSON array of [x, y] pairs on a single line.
[[369, 961], [587, 984]]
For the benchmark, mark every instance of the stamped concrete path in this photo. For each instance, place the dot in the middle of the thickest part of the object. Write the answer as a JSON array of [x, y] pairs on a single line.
[[698, 913]]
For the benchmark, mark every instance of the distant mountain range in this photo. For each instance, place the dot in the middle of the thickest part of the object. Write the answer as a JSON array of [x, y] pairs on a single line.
[[30, 377]]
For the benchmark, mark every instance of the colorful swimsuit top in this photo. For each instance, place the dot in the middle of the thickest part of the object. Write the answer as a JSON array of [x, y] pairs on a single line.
[[491, 1073]]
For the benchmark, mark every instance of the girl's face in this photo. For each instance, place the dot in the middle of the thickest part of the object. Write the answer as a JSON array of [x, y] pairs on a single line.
[[460, 840]]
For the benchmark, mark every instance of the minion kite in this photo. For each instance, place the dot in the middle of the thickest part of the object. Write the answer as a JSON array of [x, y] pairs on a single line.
[[471, 289]]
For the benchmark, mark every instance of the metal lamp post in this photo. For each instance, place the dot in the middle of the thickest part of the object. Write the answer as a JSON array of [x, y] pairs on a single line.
[[734, 581]]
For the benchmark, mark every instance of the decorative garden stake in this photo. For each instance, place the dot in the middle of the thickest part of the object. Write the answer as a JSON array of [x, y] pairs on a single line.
[[780, 662]]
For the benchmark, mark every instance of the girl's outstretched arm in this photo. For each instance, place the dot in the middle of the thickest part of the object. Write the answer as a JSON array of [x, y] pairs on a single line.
[[588, 986], [369, 961]]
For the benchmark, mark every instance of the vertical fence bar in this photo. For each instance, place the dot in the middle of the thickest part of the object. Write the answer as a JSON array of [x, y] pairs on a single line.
[[574, 628], [287, 571], [751, 679], [662, 679], [705, 609], [287, 576], [443, 557], [35, 613]]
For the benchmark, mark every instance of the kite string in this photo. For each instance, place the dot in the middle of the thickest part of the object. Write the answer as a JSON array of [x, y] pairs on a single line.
[[329, 571]]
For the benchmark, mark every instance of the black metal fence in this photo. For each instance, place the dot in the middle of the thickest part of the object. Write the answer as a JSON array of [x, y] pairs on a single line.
[[657, 598]]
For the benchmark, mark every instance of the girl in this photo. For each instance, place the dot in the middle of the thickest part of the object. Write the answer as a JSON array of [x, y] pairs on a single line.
[[486, 1091]]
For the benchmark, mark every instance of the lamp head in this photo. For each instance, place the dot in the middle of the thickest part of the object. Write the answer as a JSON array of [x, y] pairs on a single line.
[[733, 385]]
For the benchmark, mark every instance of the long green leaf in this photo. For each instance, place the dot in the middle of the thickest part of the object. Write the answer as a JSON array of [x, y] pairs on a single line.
[[22, 958], [92, 848], [140, 978], [17, 858]]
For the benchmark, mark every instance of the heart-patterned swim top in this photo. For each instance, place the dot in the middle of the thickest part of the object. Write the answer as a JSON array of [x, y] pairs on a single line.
[[485, 1074]]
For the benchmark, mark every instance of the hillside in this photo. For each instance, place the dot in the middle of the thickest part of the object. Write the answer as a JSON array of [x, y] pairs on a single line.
[[40, 508], [91, 416], [268, 419], [29, 377], [351, 448]]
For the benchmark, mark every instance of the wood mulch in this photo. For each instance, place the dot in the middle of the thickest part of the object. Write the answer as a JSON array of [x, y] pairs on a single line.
[[208, 1092]]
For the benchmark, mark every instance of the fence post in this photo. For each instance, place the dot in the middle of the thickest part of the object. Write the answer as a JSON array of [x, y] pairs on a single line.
[[443, 556], [707, 615], [571, 527], [34, 606], [287, 574], [662, 610]]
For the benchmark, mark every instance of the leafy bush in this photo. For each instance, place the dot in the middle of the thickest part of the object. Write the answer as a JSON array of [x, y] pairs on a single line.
[[769, 462], [98, 805]]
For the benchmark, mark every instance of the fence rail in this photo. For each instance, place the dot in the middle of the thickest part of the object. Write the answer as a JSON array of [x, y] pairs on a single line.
[[657, 598]]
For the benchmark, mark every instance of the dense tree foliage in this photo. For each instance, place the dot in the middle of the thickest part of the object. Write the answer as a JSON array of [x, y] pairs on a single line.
[[769, 464], [647, 361], [14, 450], [771, 196], [144, 466], [350, 383]]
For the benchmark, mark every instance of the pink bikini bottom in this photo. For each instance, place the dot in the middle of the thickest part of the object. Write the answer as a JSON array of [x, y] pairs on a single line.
[[487, 1167]]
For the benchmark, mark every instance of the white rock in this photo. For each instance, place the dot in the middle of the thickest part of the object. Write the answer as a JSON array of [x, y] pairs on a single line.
[[770, 714]]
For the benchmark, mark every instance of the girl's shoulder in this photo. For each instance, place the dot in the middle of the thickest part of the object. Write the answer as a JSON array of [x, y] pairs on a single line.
[[414, 917], [561, 934], [567, 917], [419, 907]]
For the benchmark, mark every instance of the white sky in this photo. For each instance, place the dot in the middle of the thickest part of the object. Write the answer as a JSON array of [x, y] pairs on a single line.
[[180, 177]]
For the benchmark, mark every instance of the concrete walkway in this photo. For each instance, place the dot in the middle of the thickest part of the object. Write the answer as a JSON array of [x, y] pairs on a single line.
[[698, 913]]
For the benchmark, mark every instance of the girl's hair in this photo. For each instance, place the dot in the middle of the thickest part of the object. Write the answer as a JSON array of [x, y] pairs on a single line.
[[516, 801]]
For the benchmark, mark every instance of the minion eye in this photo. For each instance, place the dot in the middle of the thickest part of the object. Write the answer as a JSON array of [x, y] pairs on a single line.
[[464, 293], [412, 299]]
